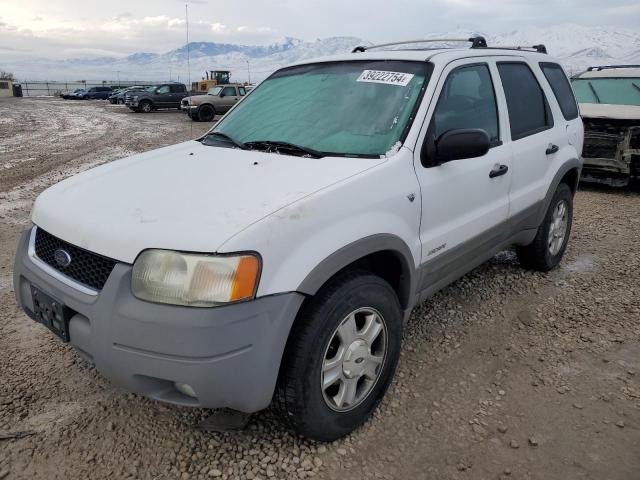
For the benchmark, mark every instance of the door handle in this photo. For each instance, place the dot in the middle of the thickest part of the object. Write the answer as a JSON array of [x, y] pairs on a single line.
[[551, 149], [498, 171]]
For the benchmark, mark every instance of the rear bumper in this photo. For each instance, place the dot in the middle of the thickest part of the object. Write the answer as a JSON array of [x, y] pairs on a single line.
[[229, 356]]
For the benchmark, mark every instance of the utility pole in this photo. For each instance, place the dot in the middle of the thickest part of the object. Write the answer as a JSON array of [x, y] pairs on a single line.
[[118, 74], [248, 71]]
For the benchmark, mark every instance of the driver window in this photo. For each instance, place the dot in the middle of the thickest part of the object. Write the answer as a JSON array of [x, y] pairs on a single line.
[[467, 100], [163, 89]]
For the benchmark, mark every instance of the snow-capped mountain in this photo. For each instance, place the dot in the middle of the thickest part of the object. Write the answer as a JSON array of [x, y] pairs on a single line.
[[576, 46]]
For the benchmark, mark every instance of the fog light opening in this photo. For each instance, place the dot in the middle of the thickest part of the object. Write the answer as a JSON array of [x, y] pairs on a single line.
[[185, 389]]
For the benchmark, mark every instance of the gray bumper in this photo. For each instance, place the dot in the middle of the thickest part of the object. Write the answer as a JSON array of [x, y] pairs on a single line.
[[230, 355]]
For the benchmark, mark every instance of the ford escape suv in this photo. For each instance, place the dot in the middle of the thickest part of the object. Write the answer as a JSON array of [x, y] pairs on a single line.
[[277, 257]]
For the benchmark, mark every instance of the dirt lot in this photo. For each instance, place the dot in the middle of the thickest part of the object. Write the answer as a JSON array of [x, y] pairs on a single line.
[[505, 374]]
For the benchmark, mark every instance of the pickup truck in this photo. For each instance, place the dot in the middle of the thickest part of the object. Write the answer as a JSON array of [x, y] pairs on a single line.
[[166, 95], [218, 100]]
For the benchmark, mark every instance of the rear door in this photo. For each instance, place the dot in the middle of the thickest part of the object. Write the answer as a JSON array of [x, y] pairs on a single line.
[[465, 203], [178, 92], [534, 137]]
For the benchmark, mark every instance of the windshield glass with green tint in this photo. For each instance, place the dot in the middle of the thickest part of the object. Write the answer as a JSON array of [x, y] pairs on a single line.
[[214, 90], [613, 91], [358, 108]]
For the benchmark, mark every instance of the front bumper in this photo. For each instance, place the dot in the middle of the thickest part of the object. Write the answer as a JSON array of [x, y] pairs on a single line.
[[229, 356]]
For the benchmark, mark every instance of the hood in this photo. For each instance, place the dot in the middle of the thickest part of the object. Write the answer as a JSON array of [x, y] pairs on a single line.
[[189, 197], [196, 99], [609, 111]]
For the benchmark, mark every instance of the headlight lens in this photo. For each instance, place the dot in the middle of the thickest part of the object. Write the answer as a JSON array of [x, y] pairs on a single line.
[[194, 280]]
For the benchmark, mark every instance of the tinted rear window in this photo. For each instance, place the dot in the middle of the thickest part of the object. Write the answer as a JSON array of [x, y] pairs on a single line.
[[529, 111], [561, 89]]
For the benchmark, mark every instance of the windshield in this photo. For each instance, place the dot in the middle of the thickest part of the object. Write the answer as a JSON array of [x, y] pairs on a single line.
[[613, 91], [214, 91], [355, 108]]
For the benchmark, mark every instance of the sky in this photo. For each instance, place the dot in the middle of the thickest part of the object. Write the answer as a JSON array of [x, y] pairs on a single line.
[[59, 29]]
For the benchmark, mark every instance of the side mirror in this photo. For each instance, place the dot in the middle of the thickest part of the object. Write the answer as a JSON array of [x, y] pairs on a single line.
[[461, 143], [221, 95]]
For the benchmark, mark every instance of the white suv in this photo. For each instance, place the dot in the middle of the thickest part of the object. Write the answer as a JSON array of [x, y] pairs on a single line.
[[278, 256]]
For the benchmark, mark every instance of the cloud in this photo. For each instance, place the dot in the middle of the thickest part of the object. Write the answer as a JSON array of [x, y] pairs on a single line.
[[63, 30]]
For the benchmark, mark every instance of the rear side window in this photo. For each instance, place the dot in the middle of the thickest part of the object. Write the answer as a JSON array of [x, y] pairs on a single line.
[[529, 111], [561, 89], [242, 91], [229, 91]]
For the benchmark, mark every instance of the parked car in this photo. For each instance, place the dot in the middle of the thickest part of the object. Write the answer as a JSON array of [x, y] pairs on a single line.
[[117, 97], [280, 255], [609, 98], [72, 94], [217, 101], [96, 93], [167, 95]]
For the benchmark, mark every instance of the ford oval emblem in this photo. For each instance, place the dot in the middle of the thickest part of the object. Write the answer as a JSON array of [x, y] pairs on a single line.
[[62, 257]]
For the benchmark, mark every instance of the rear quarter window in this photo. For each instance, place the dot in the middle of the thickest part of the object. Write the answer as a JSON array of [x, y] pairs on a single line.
[[561, 89]]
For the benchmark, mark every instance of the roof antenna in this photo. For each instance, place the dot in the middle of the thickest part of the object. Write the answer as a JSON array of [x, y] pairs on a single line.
[[186, 16]]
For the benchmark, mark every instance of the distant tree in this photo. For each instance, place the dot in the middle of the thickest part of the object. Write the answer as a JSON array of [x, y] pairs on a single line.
[[6, 75]]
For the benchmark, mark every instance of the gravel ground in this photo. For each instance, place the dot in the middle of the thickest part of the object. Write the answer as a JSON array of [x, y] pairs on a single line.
[[505, 374]]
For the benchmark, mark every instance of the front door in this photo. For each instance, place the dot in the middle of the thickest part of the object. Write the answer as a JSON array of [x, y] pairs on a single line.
[[465, 203], [163, 96], [229, 98]]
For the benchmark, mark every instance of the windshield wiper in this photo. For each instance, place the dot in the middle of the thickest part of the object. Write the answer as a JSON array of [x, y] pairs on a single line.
[[595, 94], [237, 143], [284, 146]]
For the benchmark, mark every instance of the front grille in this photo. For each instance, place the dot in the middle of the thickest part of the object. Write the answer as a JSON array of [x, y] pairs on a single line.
[[86, 267], [601, 144]]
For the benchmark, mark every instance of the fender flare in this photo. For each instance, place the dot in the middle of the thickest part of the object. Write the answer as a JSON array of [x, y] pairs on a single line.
[[359, 249], [571, 164]]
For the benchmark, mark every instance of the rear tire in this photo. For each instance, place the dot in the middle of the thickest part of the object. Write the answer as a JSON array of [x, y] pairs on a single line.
[[206, 113], [550, 243], [341, 356]]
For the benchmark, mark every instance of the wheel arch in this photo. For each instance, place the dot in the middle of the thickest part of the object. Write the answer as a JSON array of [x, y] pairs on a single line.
[[385, 255], [568, 173]]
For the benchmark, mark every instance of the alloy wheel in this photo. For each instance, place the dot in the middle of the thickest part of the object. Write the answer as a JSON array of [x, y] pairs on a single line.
[[558, 227], [354, 359]]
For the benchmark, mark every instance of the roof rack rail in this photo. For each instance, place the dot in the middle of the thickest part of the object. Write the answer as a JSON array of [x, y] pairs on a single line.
[[538, 48], [476, 42], [607, 67]]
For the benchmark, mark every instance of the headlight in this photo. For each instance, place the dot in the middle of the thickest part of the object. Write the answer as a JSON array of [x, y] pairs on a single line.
[[195, 280]]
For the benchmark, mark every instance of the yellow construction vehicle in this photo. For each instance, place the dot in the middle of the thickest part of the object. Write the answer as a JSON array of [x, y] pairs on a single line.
[[213, 78]]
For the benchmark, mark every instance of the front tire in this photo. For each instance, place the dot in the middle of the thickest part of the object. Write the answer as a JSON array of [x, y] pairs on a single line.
[[145, 106], [341, 356], [206, 113], [550, 243]]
